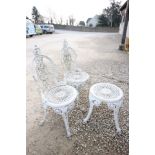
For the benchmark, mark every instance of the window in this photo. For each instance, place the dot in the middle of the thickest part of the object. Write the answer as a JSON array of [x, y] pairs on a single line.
[[46, 26]]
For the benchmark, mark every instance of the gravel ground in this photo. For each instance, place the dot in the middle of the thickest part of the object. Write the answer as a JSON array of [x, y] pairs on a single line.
[[99, 56]]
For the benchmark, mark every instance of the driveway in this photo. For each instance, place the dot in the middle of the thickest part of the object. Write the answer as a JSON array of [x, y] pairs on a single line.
[[99, 56]]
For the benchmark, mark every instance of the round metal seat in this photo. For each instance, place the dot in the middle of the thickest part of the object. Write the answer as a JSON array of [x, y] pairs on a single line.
[[76, 77], [106, 91], [61, 96]]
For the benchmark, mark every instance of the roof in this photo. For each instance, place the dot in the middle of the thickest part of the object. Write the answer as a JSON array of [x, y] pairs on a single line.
[[88, 20], [123, 6]]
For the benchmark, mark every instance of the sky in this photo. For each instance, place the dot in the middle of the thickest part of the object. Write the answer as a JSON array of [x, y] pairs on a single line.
[[81, 10]]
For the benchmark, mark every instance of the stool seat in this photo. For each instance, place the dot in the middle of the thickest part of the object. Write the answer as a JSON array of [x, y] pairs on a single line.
[[106, 92]]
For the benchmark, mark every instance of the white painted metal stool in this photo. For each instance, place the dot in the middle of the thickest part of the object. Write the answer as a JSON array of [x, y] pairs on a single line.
[[57, 95], [106, 93]]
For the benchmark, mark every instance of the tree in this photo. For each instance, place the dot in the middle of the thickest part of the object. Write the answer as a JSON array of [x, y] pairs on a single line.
[[115, 14], [51, 20], [54, 18], [82, 23], [35, 14], [66, 22], [103, 21], [111, 15], [71, 20], [61, 20]]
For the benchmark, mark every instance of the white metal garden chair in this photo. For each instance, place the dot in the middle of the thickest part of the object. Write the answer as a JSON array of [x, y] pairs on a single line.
[[73, 75], [57, 95]]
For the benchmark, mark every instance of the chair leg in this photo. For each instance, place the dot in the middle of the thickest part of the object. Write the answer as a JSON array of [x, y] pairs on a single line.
[[44, 117], [116, 118], [89, 112], [65, 118], [77, 99]]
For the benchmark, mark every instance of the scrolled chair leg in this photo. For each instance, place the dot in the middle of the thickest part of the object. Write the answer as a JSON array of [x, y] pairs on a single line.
[[45, 107], [41, 123], [77, 99], [65, 118]]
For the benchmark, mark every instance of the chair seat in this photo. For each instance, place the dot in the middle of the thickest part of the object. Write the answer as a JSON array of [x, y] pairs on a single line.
[[61, 96], [106, 92], [77, 77]]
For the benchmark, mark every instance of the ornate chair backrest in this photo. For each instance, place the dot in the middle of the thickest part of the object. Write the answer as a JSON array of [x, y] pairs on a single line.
[[36, 50], [45, 71], [68, 57]]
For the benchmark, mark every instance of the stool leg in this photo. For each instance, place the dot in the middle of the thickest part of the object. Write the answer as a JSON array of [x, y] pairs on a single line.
[[116, 118], [89, 113], [65, 118]]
